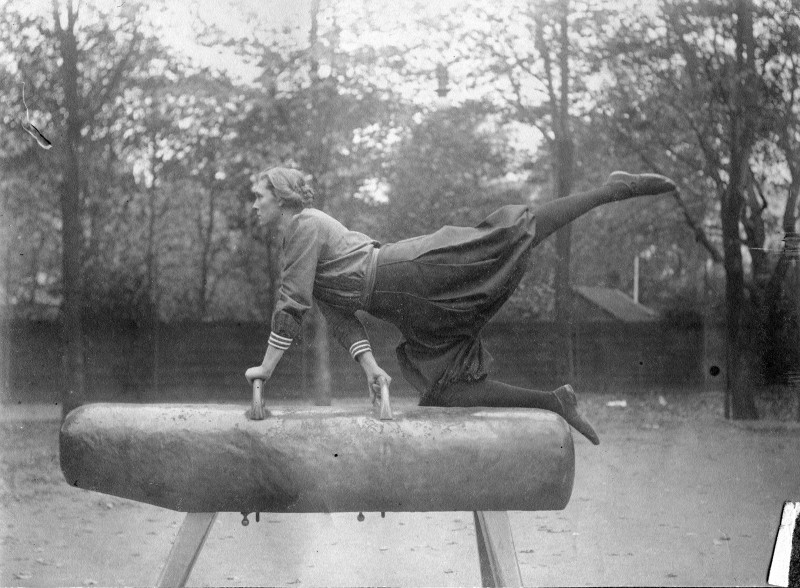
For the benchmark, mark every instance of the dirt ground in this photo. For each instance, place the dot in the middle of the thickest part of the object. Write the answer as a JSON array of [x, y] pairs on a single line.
[[674, 495]]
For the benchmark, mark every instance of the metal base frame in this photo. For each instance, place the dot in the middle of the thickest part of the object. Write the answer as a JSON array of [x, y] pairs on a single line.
[[496, 552]]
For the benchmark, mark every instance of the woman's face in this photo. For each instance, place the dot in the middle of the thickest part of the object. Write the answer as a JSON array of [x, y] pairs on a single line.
[[265, 205]]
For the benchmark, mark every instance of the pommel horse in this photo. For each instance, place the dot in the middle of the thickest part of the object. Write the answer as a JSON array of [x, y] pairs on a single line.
[[205, 459]]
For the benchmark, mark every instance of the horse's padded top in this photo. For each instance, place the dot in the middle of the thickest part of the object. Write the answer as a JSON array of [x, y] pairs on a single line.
[[210, 458]]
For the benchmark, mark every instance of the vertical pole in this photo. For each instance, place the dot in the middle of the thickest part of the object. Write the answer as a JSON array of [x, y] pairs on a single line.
[[188, 544], [496, 552]]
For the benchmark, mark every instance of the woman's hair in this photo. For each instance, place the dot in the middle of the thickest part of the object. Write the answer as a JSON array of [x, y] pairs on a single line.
[[289, 186]]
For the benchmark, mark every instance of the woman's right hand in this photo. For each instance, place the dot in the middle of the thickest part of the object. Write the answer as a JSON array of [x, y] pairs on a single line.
[[375, 374], [258, 372]]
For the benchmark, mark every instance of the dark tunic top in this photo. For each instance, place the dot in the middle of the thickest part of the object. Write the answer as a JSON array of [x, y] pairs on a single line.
[[438, 289], [325, 261]]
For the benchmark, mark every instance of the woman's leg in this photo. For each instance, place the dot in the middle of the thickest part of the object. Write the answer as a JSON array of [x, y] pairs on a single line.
[[553, 215], [494, 394]]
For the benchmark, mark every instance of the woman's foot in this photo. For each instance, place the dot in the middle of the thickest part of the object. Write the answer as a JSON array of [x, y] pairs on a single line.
[[641, 184], [569, 405]]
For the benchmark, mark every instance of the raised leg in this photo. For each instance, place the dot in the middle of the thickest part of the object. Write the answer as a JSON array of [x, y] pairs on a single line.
[[557, 213], [496, 552], [191, 537]]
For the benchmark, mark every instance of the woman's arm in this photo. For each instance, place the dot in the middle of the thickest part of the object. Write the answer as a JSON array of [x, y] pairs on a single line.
[[349, 331], [301, 251], [264, 371], [373, 372]]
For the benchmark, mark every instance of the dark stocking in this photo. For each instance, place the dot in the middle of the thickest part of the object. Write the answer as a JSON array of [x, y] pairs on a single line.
[[557, 213], [620, 186], [496, 394]]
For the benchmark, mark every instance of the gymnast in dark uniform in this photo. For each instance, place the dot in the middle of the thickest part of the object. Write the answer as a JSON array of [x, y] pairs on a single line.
[[438, 289]]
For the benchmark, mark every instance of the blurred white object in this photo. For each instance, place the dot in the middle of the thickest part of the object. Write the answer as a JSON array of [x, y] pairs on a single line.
[[662, 401], [779, 569], [617, 403]]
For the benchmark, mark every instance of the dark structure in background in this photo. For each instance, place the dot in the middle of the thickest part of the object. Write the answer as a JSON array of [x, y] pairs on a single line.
[[596, 303], [204, 361]]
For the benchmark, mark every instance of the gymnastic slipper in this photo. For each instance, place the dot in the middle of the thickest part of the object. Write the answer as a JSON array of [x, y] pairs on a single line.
[[642, 184], [569, 410]]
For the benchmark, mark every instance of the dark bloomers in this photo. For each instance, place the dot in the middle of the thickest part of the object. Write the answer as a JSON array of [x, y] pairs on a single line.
[[441, 289]]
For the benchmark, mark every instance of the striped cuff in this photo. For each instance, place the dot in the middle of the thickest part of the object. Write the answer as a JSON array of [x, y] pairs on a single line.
[[279, 342], [359, 347]]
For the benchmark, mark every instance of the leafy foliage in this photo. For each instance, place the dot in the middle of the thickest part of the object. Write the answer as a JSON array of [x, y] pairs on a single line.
[[440, 173], [167, 148]]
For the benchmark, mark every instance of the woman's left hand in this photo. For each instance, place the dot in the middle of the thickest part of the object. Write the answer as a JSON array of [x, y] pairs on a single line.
[[375, 374], [375, 378]]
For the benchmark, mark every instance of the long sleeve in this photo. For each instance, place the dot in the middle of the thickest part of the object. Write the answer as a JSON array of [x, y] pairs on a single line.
[[301, 253], [347, 328]]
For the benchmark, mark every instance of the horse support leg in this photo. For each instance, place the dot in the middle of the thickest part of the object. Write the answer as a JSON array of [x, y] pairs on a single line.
[[496, 552], [190, 540]]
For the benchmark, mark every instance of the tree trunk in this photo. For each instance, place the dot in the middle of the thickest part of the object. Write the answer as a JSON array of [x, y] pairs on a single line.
[[791, 250], [781, 352], [563, 296], [73, 390], [739, 395], [151, 268], [564, 164], [322, 380], [205, 230], [739, 399], [5, 325], [320, 345]]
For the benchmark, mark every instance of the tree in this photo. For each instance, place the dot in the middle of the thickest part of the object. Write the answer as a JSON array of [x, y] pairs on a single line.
[[563, 161], [77, 66], [743, 103], [440, 174], [560, 136], [691, 80], [781, 79]]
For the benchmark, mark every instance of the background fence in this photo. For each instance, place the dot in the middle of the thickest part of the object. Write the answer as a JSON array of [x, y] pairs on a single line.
[[206, 361]]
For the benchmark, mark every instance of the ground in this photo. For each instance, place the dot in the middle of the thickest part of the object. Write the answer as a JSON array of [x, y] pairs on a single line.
[[674, 495]]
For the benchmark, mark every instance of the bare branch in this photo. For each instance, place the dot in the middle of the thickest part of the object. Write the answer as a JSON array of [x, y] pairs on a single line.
[[115, 77], [699, 233], [57, 17], [545, 52], [72, 16]]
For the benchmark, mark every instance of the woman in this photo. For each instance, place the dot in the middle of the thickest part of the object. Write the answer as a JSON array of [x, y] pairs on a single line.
[[438, 289]]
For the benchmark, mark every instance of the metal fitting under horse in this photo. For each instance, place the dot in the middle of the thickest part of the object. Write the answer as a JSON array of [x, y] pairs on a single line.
[[211, 458]]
